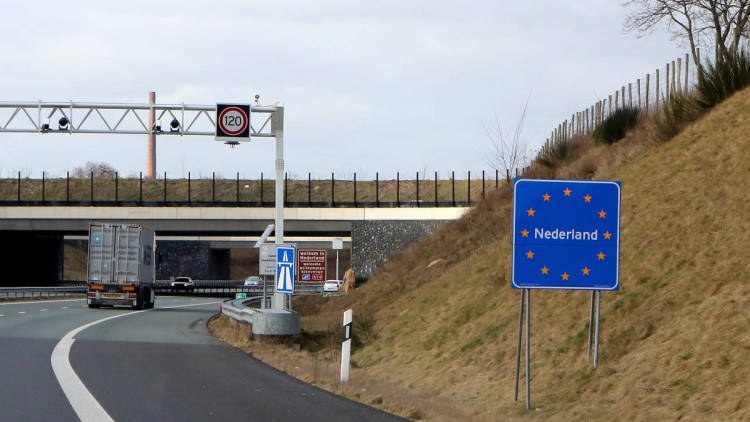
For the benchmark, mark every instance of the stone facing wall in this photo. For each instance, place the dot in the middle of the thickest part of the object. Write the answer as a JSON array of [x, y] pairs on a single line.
[[373, 242], [193, 259]]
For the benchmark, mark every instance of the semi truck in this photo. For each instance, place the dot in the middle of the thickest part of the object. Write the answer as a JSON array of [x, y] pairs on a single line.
[[121, 266]]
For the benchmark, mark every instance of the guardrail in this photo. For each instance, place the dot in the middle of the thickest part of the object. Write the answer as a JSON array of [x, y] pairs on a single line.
[[223, 288], [32, 292]]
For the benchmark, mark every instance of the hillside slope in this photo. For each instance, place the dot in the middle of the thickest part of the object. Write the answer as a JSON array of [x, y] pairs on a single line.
[[674, 340]]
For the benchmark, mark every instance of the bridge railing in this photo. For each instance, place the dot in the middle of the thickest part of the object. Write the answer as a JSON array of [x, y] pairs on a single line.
[[111, 190]]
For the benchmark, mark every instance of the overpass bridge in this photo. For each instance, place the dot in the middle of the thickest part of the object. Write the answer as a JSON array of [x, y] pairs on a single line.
[[197, 240]]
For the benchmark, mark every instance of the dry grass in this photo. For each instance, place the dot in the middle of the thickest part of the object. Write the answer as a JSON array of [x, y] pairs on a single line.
[[674, 340]]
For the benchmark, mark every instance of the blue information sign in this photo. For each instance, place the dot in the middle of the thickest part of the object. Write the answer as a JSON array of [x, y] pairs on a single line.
[[566, 235], [285, 259]]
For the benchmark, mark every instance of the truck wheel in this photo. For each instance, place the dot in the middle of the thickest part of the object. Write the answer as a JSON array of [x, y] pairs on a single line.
[[151, 298]]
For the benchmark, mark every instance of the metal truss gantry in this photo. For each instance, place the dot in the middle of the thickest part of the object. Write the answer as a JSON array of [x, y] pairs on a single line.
[[126, 119]]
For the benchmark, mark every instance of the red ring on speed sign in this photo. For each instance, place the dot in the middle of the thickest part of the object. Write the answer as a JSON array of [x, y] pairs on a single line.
[[230, 117]]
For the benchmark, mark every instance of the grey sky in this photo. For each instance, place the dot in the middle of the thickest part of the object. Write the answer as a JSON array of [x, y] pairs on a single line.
[[367, 86]]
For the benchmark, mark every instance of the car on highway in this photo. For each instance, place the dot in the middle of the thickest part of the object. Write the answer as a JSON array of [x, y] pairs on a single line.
[[182, 283], [253, 281], [332, 285]]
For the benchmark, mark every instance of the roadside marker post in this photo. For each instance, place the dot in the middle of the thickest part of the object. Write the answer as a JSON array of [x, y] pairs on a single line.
[[566, 236], [346, 346]]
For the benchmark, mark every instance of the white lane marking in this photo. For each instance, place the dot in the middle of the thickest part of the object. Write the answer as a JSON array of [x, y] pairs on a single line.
[[26, 302], [2, 315], [21, 312], [42, 310], [84, 404], [64, 307]]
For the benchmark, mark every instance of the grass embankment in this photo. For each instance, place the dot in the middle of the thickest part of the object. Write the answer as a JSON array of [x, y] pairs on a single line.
[[674, 340]]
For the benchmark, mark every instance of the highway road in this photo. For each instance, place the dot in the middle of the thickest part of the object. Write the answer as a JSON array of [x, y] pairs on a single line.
[[60, 361]]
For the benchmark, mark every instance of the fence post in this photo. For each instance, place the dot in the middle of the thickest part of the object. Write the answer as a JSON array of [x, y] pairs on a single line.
[[679, 74], [453, 187], [436, 190], [687, 66], [417, 188], [648, 79], [657, 88], [666, 84], [398, 189], [333, 190], [638, 88], [377, 191]]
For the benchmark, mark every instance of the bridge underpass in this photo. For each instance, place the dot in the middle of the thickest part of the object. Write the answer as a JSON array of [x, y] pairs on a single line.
[[198, 242]]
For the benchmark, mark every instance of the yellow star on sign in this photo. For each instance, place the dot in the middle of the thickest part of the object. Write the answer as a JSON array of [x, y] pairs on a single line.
[[530, 255], [585, 271], [524, 233], [602, 214], [565, 276], [601, 256], [546, 197], [567, 192], [531, 212], [607, 235], [545, 270], [587, 198]]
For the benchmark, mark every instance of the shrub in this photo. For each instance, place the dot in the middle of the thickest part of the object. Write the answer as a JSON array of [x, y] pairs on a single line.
[[678, 112], [556, 155], [614, 127], [718, 81]]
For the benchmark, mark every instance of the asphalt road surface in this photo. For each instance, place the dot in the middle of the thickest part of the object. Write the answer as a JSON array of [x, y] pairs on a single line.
[[60, 361]]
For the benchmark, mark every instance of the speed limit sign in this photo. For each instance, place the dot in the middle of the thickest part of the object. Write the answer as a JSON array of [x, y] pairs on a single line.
[[232, 122]]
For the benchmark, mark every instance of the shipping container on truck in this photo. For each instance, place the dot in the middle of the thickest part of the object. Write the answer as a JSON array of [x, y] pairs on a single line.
[[121, 266]]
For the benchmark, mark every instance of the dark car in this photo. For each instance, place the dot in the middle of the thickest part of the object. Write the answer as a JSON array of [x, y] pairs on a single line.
[[182, 283]]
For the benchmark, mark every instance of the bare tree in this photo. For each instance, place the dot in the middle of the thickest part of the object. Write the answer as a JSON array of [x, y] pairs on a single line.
[[717, 24], [508, 150], [100, 170]]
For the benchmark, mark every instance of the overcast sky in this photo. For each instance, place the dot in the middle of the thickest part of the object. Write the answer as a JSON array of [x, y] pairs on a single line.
[[368, 86]]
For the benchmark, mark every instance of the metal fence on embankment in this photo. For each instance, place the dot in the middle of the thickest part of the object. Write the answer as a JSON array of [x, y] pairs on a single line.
[[419, 189]]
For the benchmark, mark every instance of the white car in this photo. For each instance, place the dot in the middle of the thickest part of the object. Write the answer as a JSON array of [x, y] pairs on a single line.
[[332, 285], [182, 283], [253, 281]]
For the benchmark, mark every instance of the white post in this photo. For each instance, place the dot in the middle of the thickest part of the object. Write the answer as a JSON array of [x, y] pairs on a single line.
[[278, 131], [346, 346], [337, 244]]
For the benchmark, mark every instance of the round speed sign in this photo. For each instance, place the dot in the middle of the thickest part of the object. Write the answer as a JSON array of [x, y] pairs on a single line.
[[233, 120]]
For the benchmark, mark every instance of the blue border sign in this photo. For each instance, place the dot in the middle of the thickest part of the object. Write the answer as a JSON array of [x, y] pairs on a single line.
[[566, 235], [285, 259]]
